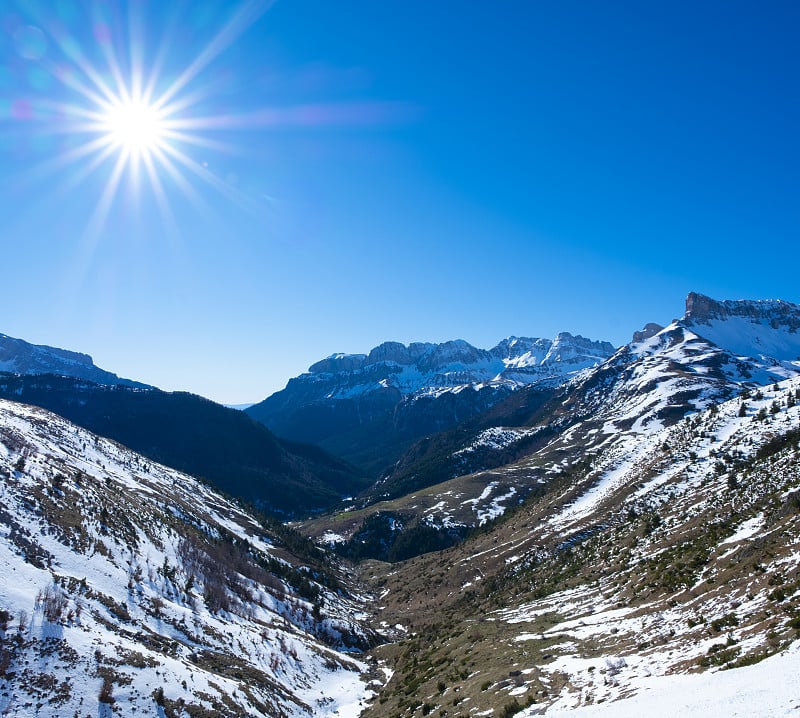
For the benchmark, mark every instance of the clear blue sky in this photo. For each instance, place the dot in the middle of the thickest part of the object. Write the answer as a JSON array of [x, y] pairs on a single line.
[[392, 169]]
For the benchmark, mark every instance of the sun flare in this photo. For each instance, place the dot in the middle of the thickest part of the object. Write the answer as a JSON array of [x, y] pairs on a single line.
[[134, 126], [145, 124]]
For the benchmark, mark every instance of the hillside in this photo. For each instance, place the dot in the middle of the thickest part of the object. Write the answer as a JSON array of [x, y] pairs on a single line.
[[129, 588], [236, 454], [680, 554]]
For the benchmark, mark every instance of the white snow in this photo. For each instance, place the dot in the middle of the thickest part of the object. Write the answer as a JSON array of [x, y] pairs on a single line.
[[769, 689], [746, 530]]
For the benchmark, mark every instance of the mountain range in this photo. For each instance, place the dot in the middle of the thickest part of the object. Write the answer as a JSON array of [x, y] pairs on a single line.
[[368, 408], [513, 450], [602, 523]]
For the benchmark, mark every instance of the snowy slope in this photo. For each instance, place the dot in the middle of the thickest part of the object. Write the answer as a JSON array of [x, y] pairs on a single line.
[[770, 689], [19, 357], [124, 584]]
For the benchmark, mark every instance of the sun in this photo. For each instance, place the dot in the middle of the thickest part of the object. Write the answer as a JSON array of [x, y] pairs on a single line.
[[134, 126]]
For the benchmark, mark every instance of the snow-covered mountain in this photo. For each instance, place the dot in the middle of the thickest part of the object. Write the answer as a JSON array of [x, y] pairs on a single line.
[[19, 357], [662, 376], [127, 587], [349, 402], [611, 535], [423, 368], [767, 329]]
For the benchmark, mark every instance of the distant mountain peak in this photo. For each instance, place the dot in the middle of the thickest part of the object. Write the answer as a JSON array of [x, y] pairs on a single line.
[[20, 357]]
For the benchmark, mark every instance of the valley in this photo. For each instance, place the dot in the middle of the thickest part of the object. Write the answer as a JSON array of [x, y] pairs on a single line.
[[624, 525]]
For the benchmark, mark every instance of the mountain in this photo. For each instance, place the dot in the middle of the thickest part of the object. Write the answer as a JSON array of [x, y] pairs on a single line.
[[20, 357], [368, 408], [225, 447], [518, 447], [130, 588]]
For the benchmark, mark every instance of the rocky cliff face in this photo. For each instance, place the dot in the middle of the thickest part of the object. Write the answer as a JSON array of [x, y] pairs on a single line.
[[701, 309], [765, 329]]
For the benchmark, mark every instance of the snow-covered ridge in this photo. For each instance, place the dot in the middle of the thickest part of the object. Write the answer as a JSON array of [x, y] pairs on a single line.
[[19, 357], [511, 352], [701, 309], [761, 329]]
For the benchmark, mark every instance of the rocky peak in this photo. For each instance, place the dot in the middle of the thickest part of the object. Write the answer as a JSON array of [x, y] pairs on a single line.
[[649, 330], [452, 352], [566, 344], [398, 353], [338, 362], [514, 347]]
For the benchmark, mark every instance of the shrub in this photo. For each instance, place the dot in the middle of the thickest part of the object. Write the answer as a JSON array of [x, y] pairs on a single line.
[[106, 694], [53, 602]]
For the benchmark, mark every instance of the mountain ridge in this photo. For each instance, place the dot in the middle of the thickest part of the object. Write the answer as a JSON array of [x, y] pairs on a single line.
[[20, 357], [519, 444]]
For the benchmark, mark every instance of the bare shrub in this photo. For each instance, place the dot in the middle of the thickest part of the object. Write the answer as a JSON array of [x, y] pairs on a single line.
[[216, 596], [106, 694], [53, 602]]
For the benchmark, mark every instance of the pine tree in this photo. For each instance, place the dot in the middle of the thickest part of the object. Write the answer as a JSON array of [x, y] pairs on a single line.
[[743, 409]]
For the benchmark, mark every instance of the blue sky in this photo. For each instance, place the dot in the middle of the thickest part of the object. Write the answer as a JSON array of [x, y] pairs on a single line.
[[393, 170]]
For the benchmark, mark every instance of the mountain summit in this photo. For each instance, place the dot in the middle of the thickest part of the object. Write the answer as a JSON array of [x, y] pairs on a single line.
[[766, 328], [19, 357]]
